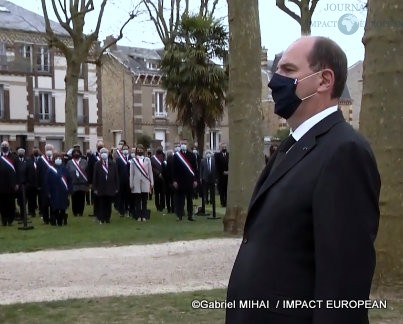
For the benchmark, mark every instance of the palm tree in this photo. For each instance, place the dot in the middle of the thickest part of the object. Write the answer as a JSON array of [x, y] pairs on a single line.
[[195, 84]]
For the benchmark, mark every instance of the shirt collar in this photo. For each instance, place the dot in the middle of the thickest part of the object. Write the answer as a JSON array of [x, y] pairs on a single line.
[[302, 129]]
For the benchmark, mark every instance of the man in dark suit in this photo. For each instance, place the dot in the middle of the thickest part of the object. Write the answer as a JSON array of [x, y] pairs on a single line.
[[184, 173], [32, 183], [8, 184], [222, 160], [22, 163], [105, 183], [158, 165], [92, 160], [45, 163], [123, 197], [313, 217], [208, 180]]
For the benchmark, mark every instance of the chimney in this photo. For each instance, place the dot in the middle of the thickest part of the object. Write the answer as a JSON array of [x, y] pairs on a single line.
[[109, 39]]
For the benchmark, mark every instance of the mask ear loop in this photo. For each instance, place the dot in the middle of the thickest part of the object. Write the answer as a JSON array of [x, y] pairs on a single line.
[[308, 76]]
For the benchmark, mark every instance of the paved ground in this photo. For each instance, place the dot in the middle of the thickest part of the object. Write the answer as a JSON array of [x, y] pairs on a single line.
[[116, 271]]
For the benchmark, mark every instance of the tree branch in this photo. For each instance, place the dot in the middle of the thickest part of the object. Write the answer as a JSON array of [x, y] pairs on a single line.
[[281, 5], [120, 36], [313, 6]]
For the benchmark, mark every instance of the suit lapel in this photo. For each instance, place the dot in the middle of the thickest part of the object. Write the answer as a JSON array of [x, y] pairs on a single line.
[[298, 152]]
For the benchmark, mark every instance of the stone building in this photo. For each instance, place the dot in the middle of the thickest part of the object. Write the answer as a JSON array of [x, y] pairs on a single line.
[[32, 88]]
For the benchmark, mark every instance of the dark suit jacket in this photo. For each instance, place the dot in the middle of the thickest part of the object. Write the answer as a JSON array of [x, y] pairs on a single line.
[[8, 175], [181, 173], [206, 175], [105, 185], [221, 162], [310, 230]]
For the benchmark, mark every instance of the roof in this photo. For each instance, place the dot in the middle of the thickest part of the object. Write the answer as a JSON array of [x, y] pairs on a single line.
[[17, 18], [136, 58]]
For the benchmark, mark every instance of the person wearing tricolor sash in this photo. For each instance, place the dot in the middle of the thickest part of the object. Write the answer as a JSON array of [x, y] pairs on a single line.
[[185, 175], [122, 158], [158, 166], [77, 167], [105, 183], [8, 184], [44, 163], [141, 182], [58, 186]]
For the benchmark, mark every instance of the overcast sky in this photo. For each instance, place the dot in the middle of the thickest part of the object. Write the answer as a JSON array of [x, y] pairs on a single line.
[[278, 30]]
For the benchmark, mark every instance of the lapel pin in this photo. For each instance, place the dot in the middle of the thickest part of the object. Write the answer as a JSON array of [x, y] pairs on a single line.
[[305, 148]]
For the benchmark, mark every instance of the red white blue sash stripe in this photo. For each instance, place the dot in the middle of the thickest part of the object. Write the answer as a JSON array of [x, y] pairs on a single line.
[[77, 165], [8, 163], [182, 157], [139, 166]]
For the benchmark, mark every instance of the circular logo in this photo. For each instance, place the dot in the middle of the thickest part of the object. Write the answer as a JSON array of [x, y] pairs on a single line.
[[348, 24]]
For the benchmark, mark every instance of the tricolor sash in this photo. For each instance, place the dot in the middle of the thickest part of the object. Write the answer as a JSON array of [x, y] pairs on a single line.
[[77, 165], [105, 169], [157, 160], [122, 157], [53, 169], [182, 157], [139, 166], [8, 163]]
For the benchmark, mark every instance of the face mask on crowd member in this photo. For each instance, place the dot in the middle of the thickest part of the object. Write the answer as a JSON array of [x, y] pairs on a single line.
[[49, 153], [58, 161], [184, 148], [21, 153], [104, 156], [194, 151], [125, 150], [208, 154], [36, 153], [4, 149], [283, 91], [140, 152], [76, 154]]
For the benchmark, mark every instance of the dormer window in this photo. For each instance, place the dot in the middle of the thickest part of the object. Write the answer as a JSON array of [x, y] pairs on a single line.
[[151, 65]]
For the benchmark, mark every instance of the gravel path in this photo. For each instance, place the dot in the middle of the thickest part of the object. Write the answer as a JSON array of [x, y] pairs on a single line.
[[116, 271]]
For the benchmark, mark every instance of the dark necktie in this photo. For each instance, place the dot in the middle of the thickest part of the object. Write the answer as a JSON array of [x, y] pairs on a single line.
[[282, 150]]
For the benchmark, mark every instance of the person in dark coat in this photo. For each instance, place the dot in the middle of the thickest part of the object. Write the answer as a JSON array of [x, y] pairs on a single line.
[[92, 160], [185, 176], [45, 162], [8, 184], [167, 174], [221, 162], [32, 182], [58, 186], [77, 167], [105, 183], [22, 163], [314, 214], [123, 165], [158, 166], [208, 180]]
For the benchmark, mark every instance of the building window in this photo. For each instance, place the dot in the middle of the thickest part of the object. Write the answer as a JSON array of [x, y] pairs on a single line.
[[152, 65], [214, 141], [27, 55], [80, 109], [1, 101], [3, 56], [42, 59], [160, 110], [160, 135], [45, 106]]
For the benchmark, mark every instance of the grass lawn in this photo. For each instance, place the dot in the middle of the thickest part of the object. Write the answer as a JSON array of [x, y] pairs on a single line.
[[166, 308], [86, 232]]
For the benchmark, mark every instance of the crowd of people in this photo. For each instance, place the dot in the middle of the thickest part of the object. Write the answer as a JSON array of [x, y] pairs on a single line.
[[124, 178]]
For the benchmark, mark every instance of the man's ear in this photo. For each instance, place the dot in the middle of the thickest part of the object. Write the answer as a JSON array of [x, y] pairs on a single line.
[[327, 82]]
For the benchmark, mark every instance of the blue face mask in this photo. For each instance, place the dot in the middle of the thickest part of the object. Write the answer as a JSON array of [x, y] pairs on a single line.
[[285, 99]]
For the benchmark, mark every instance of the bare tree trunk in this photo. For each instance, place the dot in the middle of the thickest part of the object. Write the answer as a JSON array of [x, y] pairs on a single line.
[[381, 121], [71, 83], [244, 110]]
